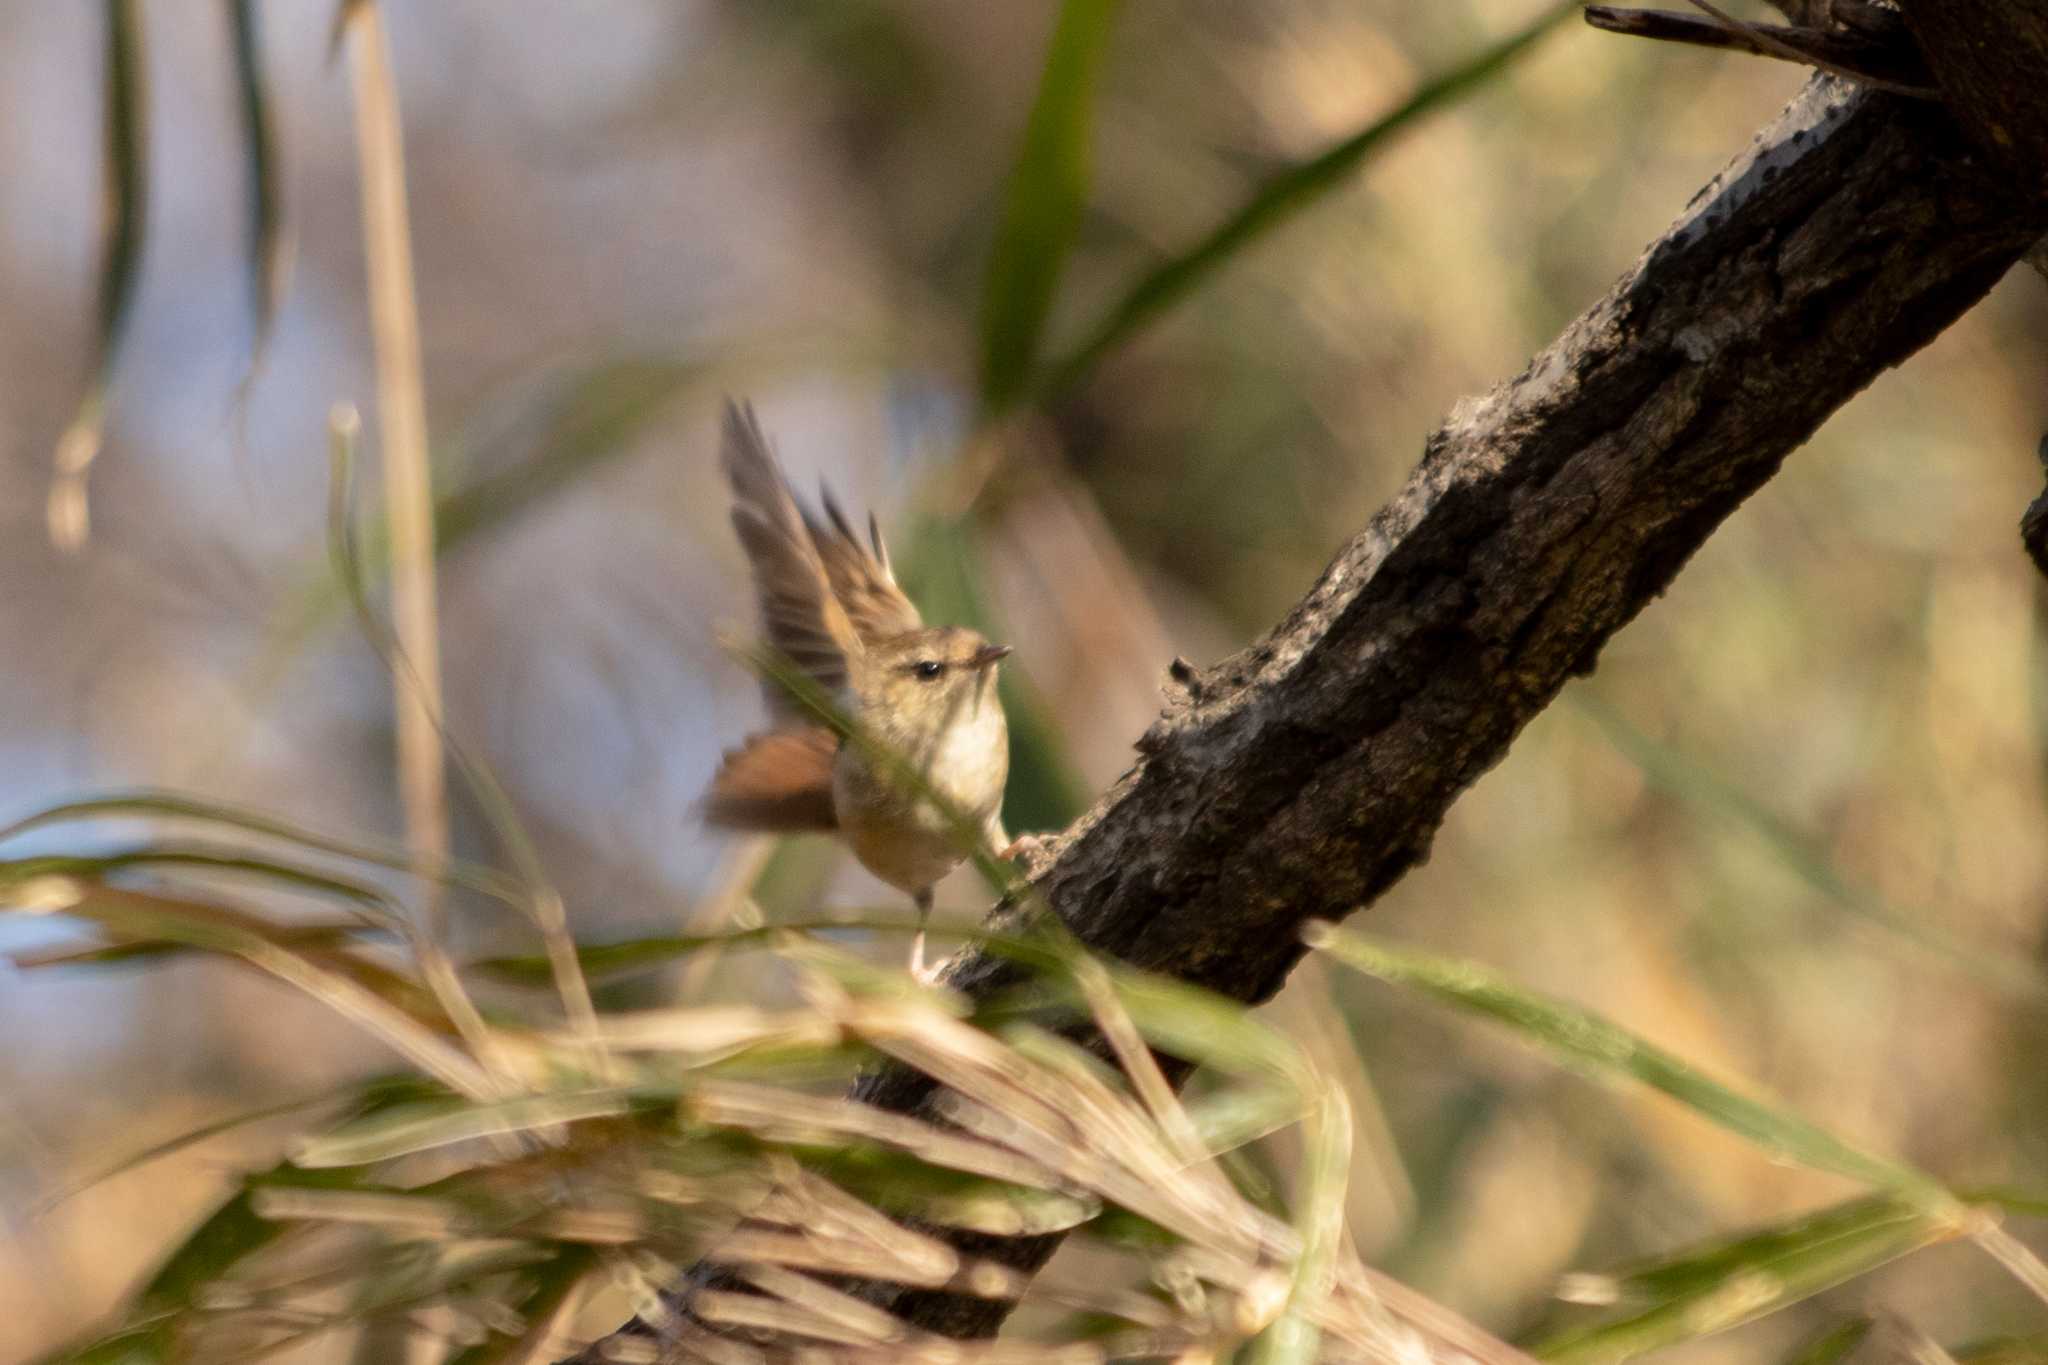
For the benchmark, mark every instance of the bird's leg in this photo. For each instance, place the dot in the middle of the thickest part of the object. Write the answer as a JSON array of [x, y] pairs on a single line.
[[917, 964]]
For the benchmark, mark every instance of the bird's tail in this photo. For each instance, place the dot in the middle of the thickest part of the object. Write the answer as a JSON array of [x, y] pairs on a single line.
[[779, 781]]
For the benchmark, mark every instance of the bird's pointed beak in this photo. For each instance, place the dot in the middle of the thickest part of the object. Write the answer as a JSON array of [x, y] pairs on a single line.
[[989, 654]]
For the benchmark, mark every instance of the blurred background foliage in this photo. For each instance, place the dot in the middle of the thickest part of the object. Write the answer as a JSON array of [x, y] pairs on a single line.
[[1791, 830]]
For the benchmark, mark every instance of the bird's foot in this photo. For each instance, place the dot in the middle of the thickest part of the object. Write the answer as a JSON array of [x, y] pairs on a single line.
[[927, 973], [1032, 852]]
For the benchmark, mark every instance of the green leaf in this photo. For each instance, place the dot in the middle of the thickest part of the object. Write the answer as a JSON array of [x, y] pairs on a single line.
[[157, 805], [124, 202], [1835, 1344], [1319, 1199], [194, 1136], [1043, 204], [1729, 1283], [1599, 1048], [1211, 1030], [268, 258], [1281, 198]]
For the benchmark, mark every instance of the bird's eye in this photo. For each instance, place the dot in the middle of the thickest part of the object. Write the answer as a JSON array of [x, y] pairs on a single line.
[[927, 669]]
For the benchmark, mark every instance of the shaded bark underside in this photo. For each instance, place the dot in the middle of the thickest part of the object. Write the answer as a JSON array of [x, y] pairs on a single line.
[[1301, 778]]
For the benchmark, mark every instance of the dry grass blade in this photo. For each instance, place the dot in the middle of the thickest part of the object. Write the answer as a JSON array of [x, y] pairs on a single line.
[[2019, 1260], [801, 1119], [706, 1031], [841, 1315], [402, 422], [136, 915], [425, 937], [159, 805], [384, 1136]]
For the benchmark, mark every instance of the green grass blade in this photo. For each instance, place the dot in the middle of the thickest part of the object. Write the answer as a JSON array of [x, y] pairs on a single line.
[[124, 133], [1042, 207], [268, 259], [194, 1136], [1834, 1345], [1319, 1201], [1680, 775], [1280, 199], [447, 1120], [158, 805], [1729, 1283], [1603, 1050]]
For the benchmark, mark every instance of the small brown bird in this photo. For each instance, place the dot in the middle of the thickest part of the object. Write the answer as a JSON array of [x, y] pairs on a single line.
[[925, 695]]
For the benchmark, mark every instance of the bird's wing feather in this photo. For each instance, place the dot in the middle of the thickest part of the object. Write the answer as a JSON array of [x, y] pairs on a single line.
[[801, 612], [861, 578], [779, 781]]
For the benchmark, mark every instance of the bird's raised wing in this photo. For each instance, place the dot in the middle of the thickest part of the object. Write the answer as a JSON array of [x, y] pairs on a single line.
[[800, 613], [860, 575]]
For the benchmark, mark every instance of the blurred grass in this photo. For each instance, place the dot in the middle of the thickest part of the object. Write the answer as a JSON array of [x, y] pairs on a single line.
[[269, 251], [1871, 595], [1280, 198], [1043, 203], [124, 135]]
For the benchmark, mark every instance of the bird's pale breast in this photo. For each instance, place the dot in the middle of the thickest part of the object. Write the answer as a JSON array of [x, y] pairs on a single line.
[[897, 834]]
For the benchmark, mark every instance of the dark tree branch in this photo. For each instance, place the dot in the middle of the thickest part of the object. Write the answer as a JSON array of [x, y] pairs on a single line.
[[1882, 54], [1302, 778], [1990, 58]]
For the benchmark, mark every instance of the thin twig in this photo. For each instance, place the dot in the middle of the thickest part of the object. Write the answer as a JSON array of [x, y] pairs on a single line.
[[402, 431], [1778, 47]]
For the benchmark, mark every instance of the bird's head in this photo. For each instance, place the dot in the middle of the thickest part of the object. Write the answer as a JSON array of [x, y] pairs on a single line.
[[909, 688]]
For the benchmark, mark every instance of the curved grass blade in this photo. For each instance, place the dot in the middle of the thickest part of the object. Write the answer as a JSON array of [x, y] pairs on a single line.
[[363, 1092], [375, 907], [448, 1120], [1834, 1345], [1043, 204], [175, 806], [1280, 199], [269, 259], [1599, 1048], [605, 962], [304, 938], [1294, 1337], [540, 901], [1730, 1283], [356, 989], [124, 208]]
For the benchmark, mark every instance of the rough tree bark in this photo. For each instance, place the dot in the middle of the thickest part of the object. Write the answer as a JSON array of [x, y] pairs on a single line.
[[1303, 777]]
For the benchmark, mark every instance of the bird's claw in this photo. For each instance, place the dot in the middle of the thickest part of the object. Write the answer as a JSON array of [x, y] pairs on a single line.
[[926, 973], [1032, 852]]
